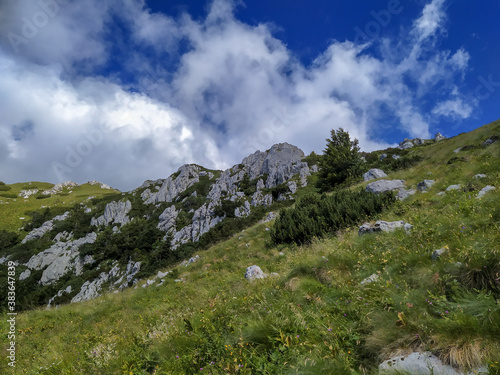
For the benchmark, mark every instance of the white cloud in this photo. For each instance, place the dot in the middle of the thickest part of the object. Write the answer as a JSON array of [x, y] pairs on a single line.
[[235, 90]]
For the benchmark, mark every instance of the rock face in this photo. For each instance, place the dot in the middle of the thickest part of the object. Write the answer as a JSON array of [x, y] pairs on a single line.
[[115, 212], [58, 188], [484, 190], [407, 143], [384, 185], [59, 258], [421, 364], [27, 193], [254, 272], [383, 226], [91, 289], [186, 176], [425, 185], [101, 185], [44, 228], [439, 137], [374, 174], [167, 219]]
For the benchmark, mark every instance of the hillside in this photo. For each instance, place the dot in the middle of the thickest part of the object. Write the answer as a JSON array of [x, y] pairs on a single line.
[[343, 304]]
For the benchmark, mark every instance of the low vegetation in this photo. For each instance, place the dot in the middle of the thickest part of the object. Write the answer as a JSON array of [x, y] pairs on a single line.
[[319, 315]]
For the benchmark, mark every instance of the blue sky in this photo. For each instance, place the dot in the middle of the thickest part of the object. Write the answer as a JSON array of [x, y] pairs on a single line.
[[127, 90]]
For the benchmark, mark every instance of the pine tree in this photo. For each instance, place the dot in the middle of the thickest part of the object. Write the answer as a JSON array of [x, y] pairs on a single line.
[[341, 160]]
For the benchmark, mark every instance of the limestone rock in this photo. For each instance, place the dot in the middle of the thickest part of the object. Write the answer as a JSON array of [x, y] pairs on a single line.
[[489, 141], [59, 294], [101, 185], [24, 275], [59, 258], [27, 193], [425, 185], [480, 175], [456, 151], [243, 211], [396, 157], [439, 252], [168, 219], [44, 228], [383, 156], [374, 174], [292, 185], [254, 272], [270, 216], [370, 279], [115, 212], [405, 144], [92, 289], [58, 188], [422, 364], [453, 187], [439, 137], [403, 193], [259, 199], [186, 176], [381, 186], [484, 190], [383, 226]]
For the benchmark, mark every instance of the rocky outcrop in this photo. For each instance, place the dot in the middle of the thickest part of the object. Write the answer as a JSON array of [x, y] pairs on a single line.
[[385, 185], [422, 364], [374, 174], [115, 213], [404, 193], [407, 143], [383, 226], [58, 188], [253, 273], [59, 258], [28, 193], [100, 184], [259, 199], [44, 228], [92, 289], [484, 190], [24, 275], [167, 219], [186, 176], [243, 211], [439, 137], [59, 294]]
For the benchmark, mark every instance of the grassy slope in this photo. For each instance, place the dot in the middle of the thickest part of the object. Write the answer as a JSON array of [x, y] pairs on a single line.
[[13, 209], [315, 317]]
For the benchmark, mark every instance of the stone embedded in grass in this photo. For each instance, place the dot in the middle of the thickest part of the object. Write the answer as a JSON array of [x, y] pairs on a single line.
[[422, 364], [254, 272], [439, 252], [382, 186], [480, 175], [370, 279], [453, 187], [403, 193], [374, 174], [24, 275], [484, 191], [425, 185], [383, 226]]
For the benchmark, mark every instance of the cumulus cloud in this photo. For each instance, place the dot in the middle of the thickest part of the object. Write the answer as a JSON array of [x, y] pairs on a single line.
[[207, 91]]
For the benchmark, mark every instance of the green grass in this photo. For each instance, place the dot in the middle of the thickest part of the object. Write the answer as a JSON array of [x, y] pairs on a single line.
[[12, 210], [315, 316]]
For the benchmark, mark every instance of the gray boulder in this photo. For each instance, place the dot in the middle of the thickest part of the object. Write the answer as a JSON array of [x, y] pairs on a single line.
[[27, 193], [370, 279], [425, 185], [436, 254], [418, 141], [243, 211], [259, 199], [406, 144], [403, 193], [383, 226], [456, 151], [439, 137], [186, 176], [254, 272], [44, 228], [381, 186], [24, 275], [115, 212], [422, 364], [374, 174], [489, 141], [92, 289], [484, 190], [480, 175], [168, 219], [453, 187], [396, 157], [383, 156]]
